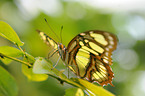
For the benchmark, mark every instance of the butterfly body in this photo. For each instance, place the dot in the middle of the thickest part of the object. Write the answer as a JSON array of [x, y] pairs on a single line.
[[88, 55]]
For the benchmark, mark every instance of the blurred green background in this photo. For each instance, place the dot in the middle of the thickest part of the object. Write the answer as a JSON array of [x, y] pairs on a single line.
[[126, 19]]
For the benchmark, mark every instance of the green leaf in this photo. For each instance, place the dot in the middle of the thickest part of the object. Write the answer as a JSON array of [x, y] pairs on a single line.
[[7, 32], [31, 75], [74, 92], [9, 51], [8, 85], [29, 71], [41, 66], [93, 89]]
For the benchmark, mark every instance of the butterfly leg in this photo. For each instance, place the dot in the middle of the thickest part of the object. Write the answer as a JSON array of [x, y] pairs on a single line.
[[54, 51], [68, 72], [56, 63]]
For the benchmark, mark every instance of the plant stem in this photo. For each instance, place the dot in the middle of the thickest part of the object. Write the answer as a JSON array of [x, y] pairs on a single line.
[[15, 59], [21, 49], [61, 80]]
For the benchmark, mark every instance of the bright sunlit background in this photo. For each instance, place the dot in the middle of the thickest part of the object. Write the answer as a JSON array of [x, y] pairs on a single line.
[[125, 18]]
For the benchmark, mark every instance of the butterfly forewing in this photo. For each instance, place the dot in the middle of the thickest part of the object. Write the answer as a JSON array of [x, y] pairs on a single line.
[[89, 55], [48, 40]]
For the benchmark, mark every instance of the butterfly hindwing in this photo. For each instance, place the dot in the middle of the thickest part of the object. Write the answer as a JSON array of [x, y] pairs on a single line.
[[90, 55]]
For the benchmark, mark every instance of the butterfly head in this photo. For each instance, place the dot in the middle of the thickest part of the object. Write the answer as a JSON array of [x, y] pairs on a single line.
[[61, 46], [61, 49]]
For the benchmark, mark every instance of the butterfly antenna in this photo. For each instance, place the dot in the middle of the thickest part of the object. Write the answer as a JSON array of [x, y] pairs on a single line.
[[61, 34], [51, 29]]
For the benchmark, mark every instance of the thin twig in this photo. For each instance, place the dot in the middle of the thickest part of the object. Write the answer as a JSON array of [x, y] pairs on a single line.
[[61, 80], [15, 59]]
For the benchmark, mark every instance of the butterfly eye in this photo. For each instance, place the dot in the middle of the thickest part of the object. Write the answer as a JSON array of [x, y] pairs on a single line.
[[61, 46]]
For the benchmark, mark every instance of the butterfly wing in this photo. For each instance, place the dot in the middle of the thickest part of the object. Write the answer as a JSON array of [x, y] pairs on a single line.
[[89, 56], [48, 40]]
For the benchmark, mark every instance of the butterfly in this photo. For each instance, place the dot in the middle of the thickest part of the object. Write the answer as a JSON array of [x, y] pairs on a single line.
[[88, 55]]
